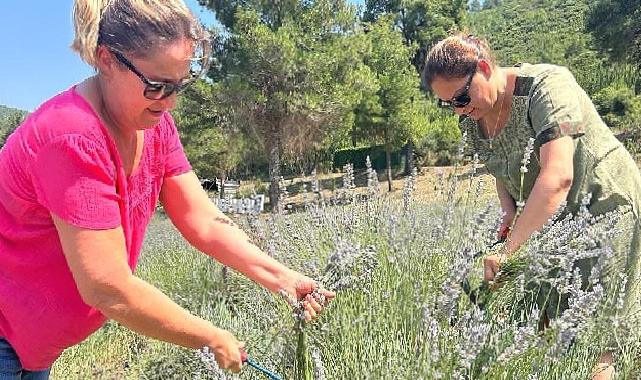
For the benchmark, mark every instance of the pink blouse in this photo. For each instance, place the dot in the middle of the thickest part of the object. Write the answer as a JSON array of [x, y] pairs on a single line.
[[62, 160]]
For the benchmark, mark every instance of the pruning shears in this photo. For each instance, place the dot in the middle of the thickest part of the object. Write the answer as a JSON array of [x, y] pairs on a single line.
[[252, 363], [491, 246]]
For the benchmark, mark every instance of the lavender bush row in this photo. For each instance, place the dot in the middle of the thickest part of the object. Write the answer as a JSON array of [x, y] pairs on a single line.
[[398, 266]]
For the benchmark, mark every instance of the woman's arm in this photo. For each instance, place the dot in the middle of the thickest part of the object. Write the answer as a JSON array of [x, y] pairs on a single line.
[[508, 207], [550, 190], [98, 262], [211, 232]]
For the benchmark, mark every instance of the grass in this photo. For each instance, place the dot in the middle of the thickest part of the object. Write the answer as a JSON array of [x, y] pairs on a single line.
[[400, 311]]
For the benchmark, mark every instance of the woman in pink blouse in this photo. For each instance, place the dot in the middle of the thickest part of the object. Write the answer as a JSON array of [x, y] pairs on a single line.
[[79, 181]]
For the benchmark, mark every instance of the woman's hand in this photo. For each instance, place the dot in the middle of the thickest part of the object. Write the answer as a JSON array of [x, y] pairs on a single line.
[[311, 298], [227, 350], [491, 266]]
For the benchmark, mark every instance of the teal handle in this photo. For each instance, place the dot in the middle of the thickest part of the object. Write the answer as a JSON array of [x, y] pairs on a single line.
[[271, 375], [246, 359]]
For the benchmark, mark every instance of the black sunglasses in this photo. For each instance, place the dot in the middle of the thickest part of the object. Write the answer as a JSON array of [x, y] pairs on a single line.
[[462, 99], [154, 90]]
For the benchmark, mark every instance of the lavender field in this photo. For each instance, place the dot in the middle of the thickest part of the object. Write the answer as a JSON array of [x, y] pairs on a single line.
[[411, 303]]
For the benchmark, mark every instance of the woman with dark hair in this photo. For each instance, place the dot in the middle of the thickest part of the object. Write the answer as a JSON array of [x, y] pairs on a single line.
[[574, 153]]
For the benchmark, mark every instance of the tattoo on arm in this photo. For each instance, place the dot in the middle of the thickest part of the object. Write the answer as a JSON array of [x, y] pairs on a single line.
[[224, 220]]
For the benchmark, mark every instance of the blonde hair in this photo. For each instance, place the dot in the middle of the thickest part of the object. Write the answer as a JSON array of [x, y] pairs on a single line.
[[137, 27], [455, 57]]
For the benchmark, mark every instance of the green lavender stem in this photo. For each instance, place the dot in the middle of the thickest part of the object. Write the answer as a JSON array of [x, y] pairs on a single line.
[[303, 359]]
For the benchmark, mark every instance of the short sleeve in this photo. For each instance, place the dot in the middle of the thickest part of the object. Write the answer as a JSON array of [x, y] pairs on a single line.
[[75, 179], [555, 109], [176, 162]]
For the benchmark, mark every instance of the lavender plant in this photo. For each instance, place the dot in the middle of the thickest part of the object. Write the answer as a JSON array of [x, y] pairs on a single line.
[[401, 312]]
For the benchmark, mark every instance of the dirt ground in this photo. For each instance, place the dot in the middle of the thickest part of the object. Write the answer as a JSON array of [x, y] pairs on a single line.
[[426, 187], [427, 183]]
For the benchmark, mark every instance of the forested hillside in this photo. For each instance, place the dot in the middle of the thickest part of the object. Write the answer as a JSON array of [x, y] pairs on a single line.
[[10, 118]]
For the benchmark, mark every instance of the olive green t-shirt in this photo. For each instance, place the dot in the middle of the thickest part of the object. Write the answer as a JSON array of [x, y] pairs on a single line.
[[547, 104]]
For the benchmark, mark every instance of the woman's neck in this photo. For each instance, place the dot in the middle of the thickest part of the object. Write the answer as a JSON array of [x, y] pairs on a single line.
[[121, 135], [128, 144], [502, 88], [494, 121], [90, 89]]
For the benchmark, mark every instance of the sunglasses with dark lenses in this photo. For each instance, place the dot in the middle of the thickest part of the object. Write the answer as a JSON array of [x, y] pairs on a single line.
[[462, 99], [160, 90]]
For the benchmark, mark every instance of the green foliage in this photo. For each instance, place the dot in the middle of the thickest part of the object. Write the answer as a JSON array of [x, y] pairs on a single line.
[[5, 111], [214, 147], [421, 22], [439, 144], [358, 156], [10, 119], [392, 113], [520, 30], [474, 6], [297, 80], [272, 13], [619, 107], [489, 4], [616, 26], [291, 83], [607, 74]]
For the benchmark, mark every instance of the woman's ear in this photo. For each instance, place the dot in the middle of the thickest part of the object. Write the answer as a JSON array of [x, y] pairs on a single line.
[[485, 68], [105, 62]]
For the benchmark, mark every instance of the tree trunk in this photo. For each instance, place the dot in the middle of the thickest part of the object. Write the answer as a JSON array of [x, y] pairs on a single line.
[[388, 158], [223, 178], [274, 170], [409, 157], [353, 135]]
